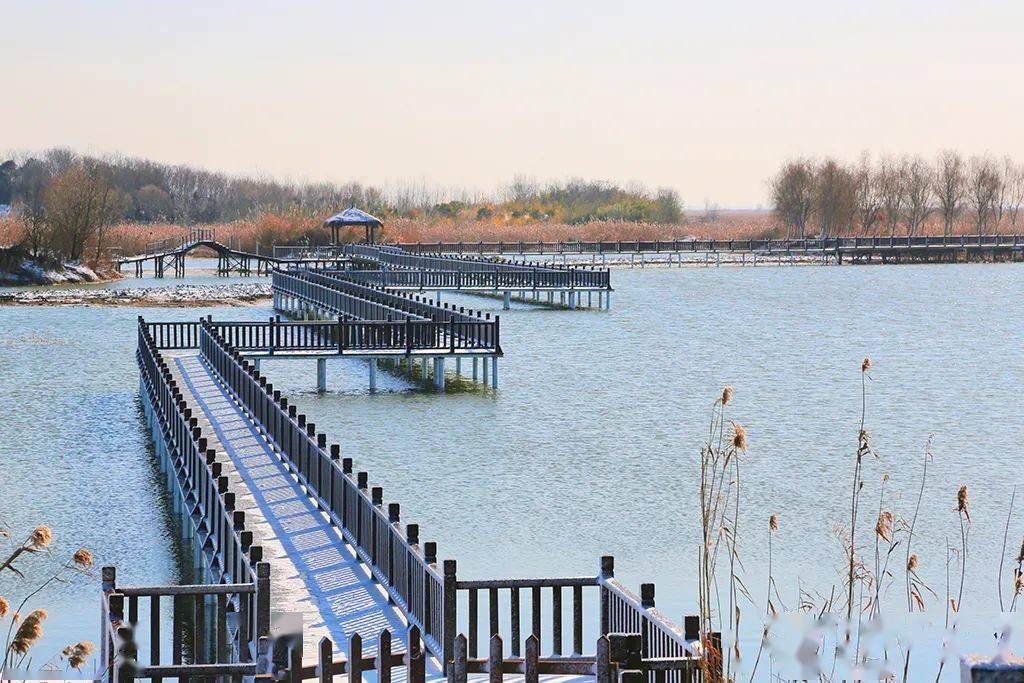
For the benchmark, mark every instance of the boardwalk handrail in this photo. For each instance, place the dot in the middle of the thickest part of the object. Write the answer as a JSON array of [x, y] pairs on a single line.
[[395, 257], [210, 505], [428, 323], [698, 245], [421, 278], [407, 570]]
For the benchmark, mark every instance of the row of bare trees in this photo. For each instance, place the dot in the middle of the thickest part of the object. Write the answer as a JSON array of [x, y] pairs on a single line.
[[64, 211], [897, 196]]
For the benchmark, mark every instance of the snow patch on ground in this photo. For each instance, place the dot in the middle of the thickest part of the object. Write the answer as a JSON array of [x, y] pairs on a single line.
[[177, 295]]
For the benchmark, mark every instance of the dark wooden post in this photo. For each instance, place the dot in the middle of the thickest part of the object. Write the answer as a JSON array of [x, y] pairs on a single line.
[[325, 668], [458, 665], [450, 606], [384, 657], [532, 655], [607, 571], [262, 598], [602, 661], [494, 660], [416, 671], [355, 659]]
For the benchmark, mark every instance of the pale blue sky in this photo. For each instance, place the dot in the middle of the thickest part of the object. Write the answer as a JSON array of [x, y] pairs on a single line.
[[704, 99]]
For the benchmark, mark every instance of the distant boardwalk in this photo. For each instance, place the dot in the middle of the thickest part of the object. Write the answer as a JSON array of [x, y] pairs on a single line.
[[310, 574], [838, 250]]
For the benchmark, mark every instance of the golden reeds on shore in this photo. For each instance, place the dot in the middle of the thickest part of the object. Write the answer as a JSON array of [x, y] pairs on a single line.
[[25, 632]]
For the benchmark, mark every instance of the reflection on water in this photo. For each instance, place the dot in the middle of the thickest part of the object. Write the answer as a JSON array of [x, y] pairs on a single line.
[[591, 444]]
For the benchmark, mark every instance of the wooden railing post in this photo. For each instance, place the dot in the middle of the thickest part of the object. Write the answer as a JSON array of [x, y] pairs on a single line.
[[262, 599], [450, 607], [607, 571], [457, 669]]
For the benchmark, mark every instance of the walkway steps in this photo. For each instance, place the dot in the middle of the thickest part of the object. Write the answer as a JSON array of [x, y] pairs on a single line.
[[314, 571]]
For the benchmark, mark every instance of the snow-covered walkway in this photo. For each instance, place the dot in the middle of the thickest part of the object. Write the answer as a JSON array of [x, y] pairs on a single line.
[[314, 571]]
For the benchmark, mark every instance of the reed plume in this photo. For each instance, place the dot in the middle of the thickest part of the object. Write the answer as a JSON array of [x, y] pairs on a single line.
[[29, 632], [77, 654]]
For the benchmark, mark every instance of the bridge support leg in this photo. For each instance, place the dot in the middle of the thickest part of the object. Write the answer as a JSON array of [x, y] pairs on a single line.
[[458, 366], [572, 300], [561, 298], [373, 373], [551, 297], [424, 370], [494, 371], [486, 370], [507, 301], [321, 375], [439, 373], [256, 364], [476, 363], [607, 301]]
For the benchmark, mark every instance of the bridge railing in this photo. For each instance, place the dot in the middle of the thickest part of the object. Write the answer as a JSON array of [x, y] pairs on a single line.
[[531, 278], [332, 336], [395, 257], [228, 547], [426, 591], [407, 569], [699, 245], [464, 329]]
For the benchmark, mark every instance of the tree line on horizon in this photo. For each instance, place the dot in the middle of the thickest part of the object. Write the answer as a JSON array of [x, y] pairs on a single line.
[[144, 191], [897, 195]]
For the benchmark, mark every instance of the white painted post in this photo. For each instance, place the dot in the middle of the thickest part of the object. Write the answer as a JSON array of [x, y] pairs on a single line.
[[321, 375], [494, 371], [373, 373], [507, 301], [485, 372], [439, 373]]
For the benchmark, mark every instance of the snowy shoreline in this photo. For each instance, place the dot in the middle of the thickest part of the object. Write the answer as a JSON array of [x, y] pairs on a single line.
[[177, 295]]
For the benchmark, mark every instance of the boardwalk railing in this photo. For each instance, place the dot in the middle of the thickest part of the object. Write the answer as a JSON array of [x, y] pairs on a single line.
[[426, 591], [342, 336], [407, 569], [564, 277], [408, 320], [243, 586], [684, 245], [518, 278]]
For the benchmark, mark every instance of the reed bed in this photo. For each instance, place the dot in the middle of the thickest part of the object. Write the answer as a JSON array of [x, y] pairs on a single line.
[[36, 571], [872, 570]]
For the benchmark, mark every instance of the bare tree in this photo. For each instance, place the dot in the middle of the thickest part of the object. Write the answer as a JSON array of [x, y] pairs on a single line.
[[950, 187], [793, 196], [891, 177], [1015, 195], [917, 192], [868, 196], [79, 203], [984, 187], [30, 186], [835, 196]]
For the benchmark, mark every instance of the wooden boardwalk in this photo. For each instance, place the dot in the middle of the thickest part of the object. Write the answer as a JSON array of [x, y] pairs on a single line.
[[313, 570], [308, 573], [838, 250]]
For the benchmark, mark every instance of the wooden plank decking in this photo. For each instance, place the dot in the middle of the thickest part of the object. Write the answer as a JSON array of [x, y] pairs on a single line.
[[314, 571]]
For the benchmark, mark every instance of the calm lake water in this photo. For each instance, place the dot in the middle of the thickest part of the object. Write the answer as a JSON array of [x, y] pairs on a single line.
[[591, 444]]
